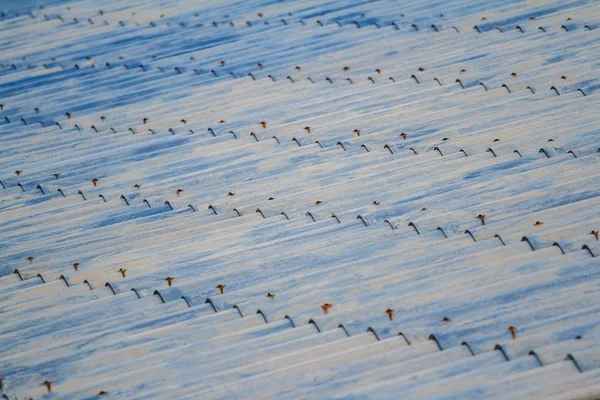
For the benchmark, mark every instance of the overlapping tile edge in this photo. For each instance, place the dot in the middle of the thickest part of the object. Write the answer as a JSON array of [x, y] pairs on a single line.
[[300, 200]]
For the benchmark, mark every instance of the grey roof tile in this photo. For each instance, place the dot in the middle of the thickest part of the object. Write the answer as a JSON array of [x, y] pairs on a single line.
[[559, 385], [412, 381], [507, 382], [579, 393]]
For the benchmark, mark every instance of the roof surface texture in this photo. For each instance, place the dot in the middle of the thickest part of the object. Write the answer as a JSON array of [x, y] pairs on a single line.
[[312, 199]]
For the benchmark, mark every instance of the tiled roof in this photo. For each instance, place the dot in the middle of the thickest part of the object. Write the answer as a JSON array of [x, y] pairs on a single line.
[[269, 199]]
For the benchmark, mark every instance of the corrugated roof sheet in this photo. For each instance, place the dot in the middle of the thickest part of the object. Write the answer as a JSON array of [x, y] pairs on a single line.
[[276, 199]]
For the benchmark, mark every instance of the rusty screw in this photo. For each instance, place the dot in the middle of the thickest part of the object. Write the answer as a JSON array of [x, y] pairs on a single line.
[[299, 68], [481, 217], [446, 319], [378, 71], [18, 172], [184, 121], [318, 202], [376, 203], [170, 280], [260, 66], [103, 118], [222, 121], [56, 175], [513, 331], [403, 135], [271, 295], [145, 120], [514, 74], [30, 259], [595, 233], [326, 307], [264, 124], [231, 194], [75, 266], [221, 288], [222, 63], [37, 110], [307, 129], [48, 385], [390, 313], [68, 114], [346, 69], [538, 223], [122, 271], [564, 78], [357, 131], [95, 181], [178, 192], [137, 186]]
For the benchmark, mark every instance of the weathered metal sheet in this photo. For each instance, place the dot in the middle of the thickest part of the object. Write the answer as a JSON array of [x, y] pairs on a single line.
[[372, 199]]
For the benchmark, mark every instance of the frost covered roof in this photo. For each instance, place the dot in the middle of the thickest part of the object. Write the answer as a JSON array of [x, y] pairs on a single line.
[[276, 199]]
